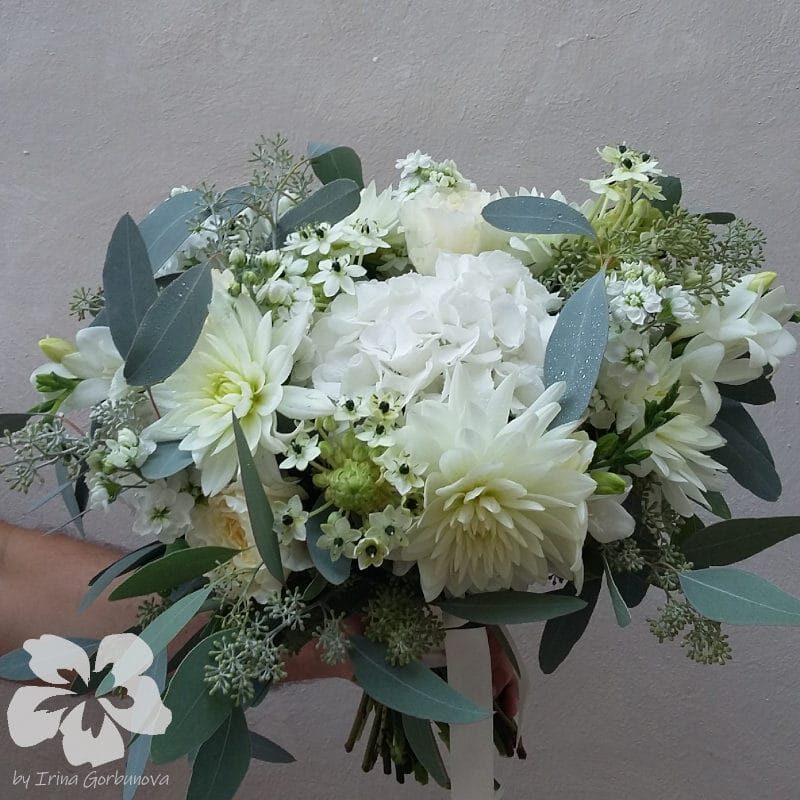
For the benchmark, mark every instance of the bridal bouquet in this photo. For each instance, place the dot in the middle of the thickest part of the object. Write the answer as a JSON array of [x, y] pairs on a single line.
[[388, 421]]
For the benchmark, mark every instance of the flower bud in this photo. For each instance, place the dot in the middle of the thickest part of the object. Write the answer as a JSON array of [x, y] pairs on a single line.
[[55, 349], [608, 482], [237, 257], [762, 281]]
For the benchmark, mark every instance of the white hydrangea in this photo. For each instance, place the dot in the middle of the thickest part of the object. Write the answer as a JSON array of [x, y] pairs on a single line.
[[484, 311]]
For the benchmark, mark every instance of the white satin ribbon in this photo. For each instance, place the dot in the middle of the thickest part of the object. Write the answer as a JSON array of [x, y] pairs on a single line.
[[469, 671]]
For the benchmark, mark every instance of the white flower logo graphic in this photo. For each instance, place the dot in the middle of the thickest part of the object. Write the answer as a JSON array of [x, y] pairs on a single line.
[[30, 725]]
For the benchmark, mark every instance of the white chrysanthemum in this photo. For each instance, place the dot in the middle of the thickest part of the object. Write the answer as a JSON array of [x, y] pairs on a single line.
[[224, 522], [748, 321], [239, 365], [484, 311], [505, 501]]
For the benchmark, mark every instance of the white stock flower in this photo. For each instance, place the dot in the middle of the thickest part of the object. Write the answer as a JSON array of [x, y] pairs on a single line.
[[633, 301], [505, 500], [407, 333], [162, 510], [240, 364], [97, 363], [30, 725]]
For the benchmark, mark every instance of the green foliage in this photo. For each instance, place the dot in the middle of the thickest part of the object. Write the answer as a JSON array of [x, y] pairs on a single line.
[[330, 162], [263, 749], [704, 643], [621, 611], [757, 392], [165, 460], [510, 607], [86, 302], [576, 347], [170, 328], [331, 203], [172, 570], [169, 225], [672, 191], [14, 666], [258, 508], [422, 741], [527, 214], [412, 689]]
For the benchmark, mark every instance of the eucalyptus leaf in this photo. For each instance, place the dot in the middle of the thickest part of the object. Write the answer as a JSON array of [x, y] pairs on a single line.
[[737, 597], [129, 288], [196, 713], [734, 540], [331, 203], [755, 393], [130, 561], [14, 666], [412, 689], [422, 741], [157, 635], [576, 347], [538, 215], [510, 608], [330, 162], [717, 505], [746, 454], [165, 460], [258, 508], [335, 572], [717, 217], [11, 423], [632, 587], [621, 611], [170, 328], [172, 570], [672, 190], [168, 226], [263, 749], [562, 633], [68, 495], [222, 761], [53, 493]]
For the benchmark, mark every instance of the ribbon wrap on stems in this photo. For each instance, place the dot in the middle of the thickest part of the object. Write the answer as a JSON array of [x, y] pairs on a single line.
[[469, 671]]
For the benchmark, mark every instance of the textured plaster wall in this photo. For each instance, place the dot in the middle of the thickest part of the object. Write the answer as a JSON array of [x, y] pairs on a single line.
[[106, 105]]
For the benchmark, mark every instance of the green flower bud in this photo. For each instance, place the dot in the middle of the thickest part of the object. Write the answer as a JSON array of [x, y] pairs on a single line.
[[762, 281], [607, 444], [608, 482], [237, 257], [55, 349]]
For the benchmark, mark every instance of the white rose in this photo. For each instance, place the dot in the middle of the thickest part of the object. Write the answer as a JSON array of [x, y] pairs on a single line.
[[445, 222]]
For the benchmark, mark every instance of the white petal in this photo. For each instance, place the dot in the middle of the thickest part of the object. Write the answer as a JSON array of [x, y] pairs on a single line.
[[51, 653], [80, 747], [300, 403], [29, 726], [608, 520]]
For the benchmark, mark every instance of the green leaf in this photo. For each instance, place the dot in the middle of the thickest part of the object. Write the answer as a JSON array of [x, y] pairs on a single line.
[[139, 748], [11, 423], [332, 203], [172, 570], [68, 495], [734, 540], [737, 597], [158, 634], [222, 761], [412, 689], [258, 508], [263, 749], [632, 587], [511, 608], [746, 454], [755, 393], [129, 288], [621, 611], [14, 666], [423, 744], [170, 328], [716, 217], [335, 572], [196, 713], [130, 561], [716, 502], [165, 460], [576, 347], [330, 162], [167, 227], [561, 634], [523, 214], [672, 191]]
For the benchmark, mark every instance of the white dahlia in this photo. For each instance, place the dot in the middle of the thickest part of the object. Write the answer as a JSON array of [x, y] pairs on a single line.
[[239, 365], [505, 499]]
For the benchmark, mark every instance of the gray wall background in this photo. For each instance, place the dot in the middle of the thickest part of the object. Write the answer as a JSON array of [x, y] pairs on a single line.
[[105, 106]]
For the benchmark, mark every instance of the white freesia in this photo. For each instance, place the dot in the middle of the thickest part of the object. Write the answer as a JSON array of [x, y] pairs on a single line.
[[608, 520], [484, 311], [505, 500], [97, 363], [240, 365]]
